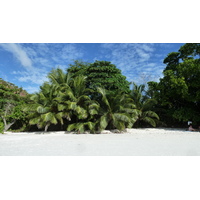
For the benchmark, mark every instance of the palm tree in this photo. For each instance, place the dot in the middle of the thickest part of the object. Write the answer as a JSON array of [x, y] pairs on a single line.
[[144, 106], [63, 98], [59, 78], [117, 111], [77, 99], [46, 109], [72, 92]]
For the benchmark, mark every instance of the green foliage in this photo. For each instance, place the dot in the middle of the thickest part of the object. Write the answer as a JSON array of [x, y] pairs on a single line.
[[78, 68], [144, 106], [178, 93], [116, 111], [185, 114], [172, 60], [96, 96], [190, 50], [62, 100], [81, 127], [82, 106], [12, 99], [101, 74], [44, 109]]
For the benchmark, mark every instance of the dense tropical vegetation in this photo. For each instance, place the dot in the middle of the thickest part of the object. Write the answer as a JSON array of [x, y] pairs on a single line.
[[96, 96], [178, 92], [12, 101]]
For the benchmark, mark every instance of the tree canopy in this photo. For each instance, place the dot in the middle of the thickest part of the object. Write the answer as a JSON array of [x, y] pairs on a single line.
[[178, 91], [101, 74], [12, 100]]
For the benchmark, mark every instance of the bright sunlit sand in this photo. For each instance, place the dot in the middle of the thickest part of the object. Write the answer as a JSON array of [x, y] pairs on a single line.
[[134, 142]]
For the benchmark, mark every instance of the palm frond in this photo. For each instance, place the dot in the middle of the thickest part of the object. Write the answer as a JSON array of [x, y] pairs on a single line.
[[119, 125], [71, 105], [151, 114], [93, 111], [34, 121], [127, 110], [76, 126], [102, 91], [41, 109], [61, 107], [148, 104], [71, 127], [59, 116], [150, 121], [69, 95], [84, 98], [91, 125], [103, 122], [49, 117], [122, 117]]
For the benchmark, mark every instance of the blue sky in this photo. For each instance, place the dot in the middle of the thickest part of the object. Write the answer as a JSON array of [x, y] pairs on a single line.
[[27, 64]]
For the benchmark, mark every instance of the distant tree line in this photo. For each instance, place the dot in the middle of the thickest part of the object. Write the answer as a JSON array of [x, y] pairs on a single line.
[[96, 96]]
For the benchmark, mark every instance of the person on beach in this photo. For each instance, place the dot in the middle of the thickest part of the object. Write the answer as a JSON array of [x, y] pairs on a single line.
[[191, 128]]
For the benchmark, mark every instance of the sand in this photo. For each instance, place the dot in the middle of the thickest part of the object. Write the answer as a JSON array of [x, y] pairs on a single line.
[[134, 142]]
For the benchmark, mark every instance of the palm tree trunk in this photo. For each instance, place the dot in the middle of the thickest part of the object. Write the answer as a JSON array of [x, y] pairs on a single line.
[[46, 127]]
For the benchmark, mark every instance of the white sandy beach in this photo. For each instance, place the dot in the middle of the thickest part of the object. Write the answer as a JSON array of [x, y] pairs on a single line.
[[134, 142]]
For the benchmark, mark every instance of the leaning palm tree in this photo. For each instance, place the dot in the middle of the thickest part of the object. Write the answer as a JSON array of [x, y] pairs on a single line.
[[144, 106], [117, 111]]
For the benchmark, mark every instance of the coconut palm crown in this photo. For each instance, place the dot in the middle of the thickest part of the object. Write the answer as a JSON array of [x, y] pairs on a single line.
[[144, 106]]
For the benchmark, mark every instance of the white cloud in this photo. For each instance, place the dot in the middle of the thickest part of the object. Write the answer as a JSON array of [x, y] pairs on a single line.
[[151, 65], [30, 52], [37, 77], [143, 56], [27, 56], [134, 60], [70, 52], [19, 54], [129, 52], [147, 47], [64, 53], [42, 61], [43, 48], [37, 59]]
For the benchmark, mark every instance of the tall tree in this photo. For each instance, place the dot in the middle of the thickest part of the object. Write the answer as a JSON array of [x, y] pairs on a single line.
[[79, 67], [178, 91], [190, 50], [101, 74], [187, 51]]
